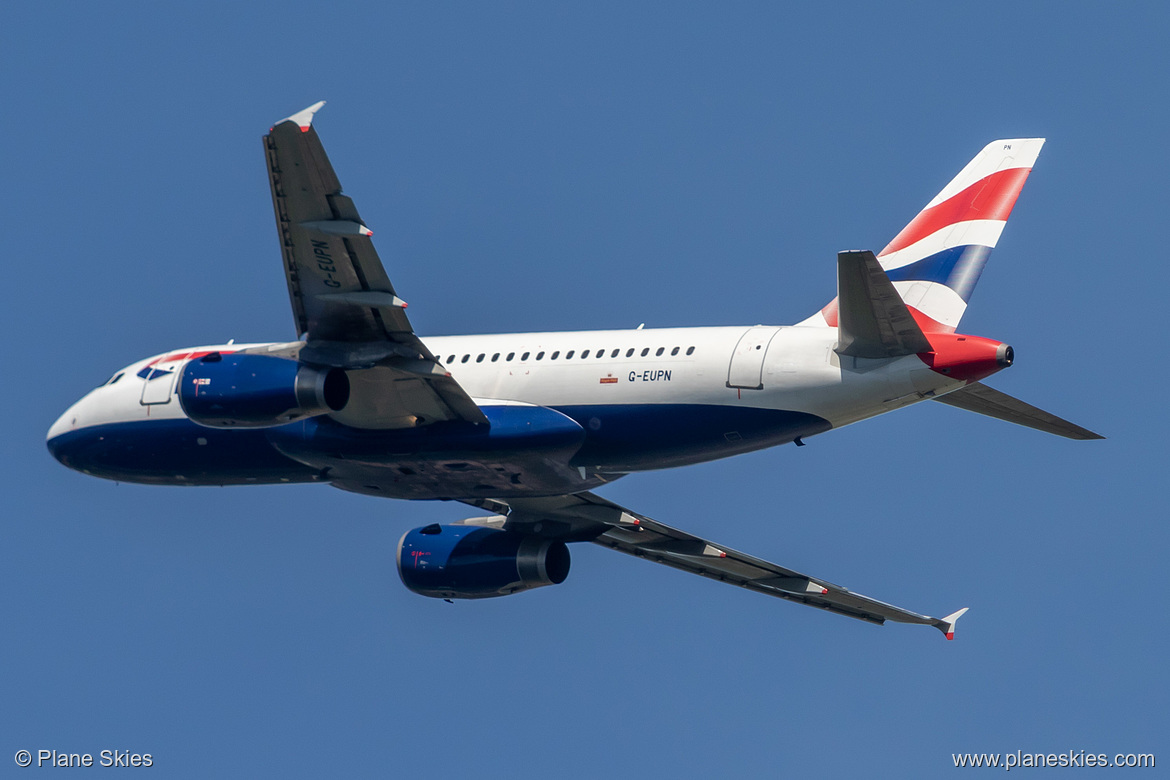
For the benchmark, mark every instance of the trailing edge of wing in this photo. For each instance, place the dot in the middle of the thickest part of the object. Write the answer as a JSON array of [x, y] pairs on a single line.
[[588, 517], [981, 399], [873, 322]]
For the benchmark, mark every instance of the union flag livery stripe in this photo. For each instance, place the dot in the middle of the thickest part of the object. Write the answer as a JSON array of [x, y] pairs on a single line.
[[991, 198], [936, 260]]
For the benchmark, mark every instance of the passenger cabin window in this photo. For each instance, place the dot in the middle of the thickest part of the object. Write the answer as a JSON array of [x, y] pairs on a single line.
[[465, 358], [495, 357], [568, 354], [480, 358], [525, 355], [601, 353], [585, 354], [690, 350], [510, 356], [614, 353], [674, 352], [630, 352], [659, 352], [645, 351], [540, 356], [554, 356], [450, 359]]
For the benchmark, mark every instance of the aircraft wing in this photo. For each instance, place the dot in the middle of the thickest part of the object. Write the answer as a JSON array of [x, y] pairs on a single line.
[[585, 516], [343, 303]]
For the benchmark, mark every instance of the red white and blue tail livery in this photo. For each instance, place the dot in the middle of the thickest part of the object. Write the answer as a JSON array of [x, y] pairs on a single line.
[[936, 261], [525, 426]]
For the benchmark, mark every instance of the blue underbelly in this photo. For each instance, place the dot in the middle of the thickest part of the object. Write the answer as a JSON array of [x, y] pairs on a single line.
[[652, 436], [176, 451], [525, 449]]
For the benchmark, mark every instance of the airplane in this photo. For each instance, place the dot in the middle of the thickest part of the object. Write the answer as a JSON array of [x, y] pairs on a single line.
[[526, 426]]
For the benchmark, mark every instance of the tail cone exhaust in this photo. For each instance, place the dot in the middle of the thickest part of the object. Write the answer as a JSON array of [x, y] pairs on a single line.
[[969, 358], [1005, 355]]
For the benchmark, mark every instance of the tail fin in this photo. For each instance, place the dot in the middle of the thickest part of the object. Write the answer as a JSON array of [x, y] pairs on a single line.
[[936, 260]]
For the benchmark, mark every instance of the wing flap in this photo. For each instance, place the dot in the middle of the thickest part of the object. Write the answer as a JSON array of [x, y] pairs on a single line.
[[981, 399]]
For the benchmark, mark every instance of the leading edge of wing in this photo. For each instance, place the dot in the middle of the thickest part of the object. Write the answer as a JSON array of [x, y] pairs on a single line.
[[588, 517]]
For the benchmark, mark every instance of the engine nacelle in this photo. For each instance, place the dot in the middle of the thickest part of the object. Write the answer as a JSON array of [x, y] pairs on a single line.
[[258, 391], [473, 562]]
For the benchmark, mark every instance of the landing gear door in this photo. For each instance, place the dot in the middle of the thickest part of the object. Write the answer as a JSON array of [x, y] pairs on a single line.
[[747, 362], [160, 382]]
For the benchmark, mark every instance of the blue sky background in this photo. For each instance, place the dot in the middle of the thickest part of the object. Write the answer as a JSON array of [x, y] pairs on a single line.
[[539, 167]]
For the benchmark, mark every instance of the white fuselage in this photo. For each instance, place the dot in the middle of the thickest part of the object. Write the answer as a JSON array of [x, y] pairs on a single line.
[[793, 368]]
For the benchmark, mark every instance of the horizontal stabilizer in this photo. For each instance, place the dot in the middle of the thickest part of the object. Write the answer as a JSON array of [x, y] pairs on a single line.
[[872, 321], [981, 399]]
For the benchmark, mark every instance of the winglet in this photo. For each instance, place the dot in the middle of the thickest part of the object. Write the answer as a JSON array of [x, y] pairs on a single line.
[[304, 119], [947, 624]]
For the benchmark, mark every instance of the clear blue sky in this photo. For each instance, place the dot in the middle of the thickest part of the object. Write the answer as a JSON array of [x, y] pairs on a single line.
[[538, 167]]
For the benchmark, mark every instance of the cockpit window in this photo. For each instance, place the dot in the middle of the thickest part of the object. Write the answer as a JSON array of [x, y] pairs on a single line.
[[113, 379]]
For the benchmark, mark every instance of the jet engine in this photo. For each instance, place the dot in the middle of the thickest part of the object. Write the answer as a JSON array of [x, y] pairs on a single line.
[[258, 391], [472, 562]]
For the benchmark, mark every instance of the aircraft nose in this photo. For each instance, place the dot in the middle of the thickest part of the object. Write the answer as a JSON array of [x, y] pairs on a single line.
[[64, 437], [54, 443], [62, 425]]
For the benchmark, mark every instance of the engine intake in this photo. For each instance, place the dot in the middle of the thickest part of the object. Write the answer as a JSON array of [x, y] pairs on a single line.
[[471, 562], [258, 391]]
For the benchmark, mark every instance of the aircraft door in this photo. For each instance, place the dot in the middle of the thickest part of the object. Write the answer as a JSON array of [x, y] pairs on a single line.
[[747, 362]]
